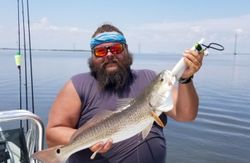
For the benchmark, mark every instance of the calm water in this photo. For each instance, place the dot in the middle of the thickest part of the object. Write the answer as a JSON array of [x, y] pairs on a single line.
[[221, 132]]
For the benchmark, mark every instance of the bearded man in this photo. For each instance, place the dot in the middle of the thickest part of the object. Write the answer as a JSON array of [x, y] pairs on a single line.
[[110, 79]]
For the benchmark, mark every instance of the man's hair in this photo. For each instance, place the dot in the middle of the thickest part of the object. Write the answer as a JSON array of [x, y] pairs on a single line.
[[106, 28]]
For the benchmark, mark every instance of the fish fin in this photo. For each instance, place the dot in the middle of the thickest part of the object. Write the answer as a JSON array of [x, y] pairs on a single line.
[[100, 116], [94, 154], [165, 108], [157, 119], [124, 103], [146, 131], [50, 155]]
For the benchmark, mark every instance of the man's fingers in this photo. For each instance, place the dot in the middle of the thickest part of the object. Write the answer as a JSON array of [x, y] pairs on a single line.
[[97, 146], [107, 146], [193, 59], [191, 65], [101, 147]]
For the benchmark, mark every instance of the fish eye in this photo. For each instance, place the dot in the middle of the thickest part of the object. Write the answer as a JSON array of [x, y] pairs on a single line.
[[58, 151], [162, 79]]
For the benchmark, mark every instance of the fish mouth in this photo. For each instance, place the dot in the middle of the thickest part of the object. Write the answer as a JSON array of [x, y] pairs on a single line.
[[169, 77]]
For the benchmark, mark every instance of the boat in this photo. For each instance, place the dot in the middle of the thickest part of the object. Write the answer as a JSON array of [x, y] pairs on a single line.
[[18, 144]]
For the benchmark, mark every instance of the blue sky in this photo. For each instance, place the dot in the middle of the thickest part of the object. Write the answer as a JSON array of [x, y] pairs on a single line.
[[153, 25]]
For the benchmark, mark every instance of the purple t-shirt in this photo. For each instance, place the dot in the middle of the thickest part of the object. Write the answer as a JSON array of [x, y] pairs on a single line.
[[133, 150]]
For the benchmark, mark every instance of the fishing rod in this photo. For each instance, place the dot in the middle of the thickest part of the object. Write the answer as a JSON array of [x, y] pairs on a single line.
[[30, 56], [25, 62], [18, 59]]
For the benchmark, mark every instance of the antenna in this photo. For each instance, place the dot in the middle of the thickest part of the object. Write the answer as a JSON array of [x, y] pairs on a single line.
[[235, 44]]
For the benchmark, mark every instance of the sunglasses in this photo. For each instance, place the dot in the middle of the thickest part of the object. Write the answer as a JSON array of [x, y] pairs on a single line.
[[102, 51]]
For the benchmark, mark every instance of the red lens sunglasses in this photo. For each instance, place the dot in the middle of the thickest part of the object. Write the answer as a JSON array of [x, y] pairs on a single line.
[[102, 51]]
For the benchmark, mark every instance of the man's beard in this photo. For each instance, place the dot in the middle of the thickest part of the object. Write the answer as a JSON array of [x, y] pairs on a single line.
[[113, 81]]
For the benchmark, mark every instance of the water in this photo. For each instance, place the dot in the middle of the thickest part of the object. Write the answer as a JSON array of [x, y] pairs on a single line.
[[221, 132]]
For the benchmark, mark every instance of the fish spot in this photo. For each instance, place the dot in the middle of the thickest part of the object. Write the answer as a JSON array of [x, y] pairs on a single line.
[[58, 151]]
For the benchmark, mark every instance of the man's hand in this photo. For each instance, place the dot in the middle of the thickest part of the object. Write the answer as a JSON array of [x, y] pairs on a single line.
[[193, 60], [101, 147]]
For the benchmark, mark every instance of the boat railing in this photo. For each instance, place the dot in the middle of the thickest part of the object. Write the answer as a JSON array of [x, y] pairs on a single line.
[[34, 135]]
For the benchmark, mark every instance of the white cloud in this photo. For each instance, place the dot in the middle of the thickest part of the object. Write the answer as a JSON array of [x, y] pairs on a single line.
[[44, 24], [150, 37], [239, 30], [47, 35], [174, 36]]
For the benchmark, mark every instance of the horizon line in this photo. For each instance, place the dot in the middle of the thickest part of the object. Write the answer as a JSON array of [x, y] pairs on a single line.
[[75, 50]]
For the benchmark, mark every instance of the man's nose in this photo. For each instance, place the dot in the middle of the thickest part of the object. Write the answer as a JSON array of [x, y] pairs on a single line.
[[109, 54]]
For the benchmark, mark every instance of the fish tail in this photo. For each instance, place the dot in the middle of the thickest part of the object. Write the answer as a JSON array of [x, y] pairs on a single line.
[[50, 155]]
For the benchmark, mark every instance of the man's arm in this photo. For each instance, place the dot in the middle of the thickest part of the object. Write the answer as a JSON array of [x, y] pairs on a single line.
[[186, 103], [63, 116], [185, 98]]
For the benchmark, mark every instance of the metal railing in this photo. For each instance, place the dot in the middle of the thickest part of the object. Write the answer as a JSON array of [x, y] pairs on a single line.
[[35, 133]]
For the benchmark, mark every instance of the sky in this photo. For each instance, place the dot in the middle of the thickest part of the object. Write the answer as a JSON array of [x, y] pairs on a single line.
[[150, 26]]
